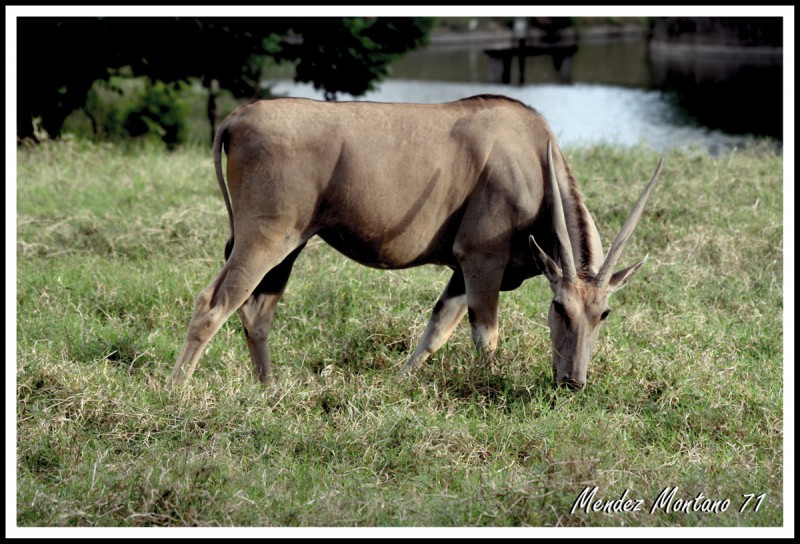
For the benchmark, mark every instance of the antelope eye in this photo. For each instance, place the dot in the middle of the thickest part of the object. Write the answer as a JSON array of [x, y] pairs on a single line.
[[559, 308], [604, 315]]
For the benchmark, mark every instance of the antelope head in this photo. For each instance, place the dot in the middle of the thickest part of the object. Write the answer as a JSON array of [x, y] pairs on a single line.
[[580, 301]]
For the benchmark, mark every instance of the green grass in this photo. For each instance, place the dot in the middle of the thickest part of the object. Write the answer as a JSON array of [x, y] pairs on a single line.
[[685, 388]]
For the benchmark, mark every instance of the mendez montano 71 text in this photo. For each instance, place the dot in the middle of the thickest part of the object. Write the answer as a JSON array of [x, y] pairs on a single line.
[[668, 501]]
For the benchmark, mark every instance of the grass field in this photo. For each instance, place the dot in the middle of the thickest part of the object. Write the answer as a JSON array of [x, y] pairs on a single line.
[[685, 388]]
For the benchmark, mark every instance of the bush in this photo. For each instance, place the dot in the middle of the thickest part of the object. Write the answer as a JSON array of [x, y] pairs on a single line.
[[127, 107], [156, 111]]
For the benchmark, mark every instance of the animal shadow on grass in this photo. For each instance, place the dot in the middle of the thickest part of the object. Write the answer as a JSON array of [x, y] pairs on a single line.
[[463, 377], [363, 353], [472, 379], [122, 350]]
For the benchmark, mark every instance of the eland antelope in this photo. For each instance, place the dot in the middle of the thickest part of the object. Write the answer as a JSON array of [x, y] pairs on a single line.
[[477, 185]]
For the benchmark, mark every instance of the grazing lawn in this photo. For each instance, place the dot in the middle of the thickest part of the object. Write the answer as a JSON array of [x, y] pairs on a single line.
[[685, 388]]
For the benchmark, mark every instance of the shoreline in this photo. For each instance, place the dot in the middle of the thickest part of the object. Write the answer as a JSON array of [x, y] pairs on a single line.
[[506, 37]]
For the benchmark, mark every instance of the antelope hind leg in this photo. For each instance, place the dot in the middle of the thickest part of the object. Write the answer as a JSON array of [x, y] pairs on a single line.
[[258, 310], [237, 280]]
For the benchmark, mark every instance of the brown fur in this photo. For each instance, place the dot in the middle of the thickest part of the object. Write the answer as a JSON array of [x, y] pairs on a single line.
[[391, 186]]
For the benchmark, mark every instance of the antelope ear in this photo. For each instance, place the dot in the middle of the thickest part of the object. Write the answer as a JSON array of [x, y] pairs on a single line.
[[619, 279], [544, 262]]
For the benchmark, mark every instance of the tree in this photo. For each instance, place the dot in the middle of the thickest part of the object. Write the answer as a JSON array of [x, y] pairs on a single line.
[[348, 55], [60, 59]]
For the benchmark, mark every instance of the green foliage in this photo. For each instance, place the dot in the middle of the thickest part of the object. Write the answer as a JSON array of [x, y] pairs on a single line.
[[110, 104], [685, 388], [59, 60], [347, 55], [159, 111]]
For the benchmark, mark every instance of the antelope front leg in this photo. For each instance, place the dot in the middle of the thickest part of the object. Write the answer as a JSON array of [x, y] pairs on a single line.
[[482, 280], [483, 323], [448, 312]]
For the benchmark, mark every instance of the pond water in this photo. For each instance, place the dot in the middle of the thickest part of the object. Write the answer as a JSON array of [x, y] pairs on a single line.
[[579, 114], [610, 94]]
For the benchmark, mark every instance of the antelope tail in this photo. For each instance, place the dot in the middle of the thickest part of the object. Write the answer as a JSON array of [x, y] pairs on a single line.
[[220, 139]]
